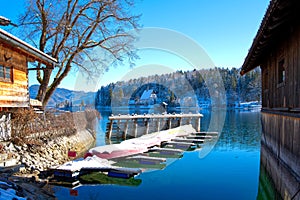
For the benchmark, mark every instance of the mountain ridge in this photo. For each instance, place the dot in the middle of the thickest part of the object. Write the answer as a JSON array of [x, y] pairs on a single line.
[[61, 95]]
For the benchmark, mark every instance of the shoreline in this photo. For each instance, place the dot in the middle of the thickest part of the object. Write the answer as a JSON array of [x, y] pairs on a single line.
[[32, 162]]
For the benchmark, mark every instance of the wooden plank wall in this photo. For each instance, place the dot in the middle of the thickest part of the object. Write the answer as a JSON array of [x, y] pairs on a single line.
[[292, 46], [286, 95], [282, 136], [14, 94], [265, 71]]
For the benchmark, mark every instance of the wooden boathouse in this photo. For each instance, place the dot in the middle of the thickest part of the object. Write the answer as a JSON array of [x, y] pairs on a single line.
[[15, 55], [276, 49], [121, 125]]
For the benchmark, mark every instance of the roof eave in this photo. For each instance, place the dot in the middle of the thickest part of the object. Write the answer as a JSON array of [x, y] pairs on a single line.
[[33, 52], [277, 14]]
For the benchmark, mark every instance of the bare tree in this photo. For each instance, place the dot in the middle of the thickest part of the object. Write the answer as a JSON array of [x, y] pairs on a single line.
[[69, 30]]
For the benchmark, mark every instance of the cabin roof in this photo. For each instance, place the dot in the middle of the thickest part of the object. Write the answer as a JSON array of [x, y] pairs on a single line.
[[279, 15], [24, 48]]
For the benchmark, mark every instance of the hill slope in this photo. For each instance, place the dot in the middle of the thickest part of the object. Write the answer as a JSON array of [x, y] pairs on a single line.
[[61, 95]]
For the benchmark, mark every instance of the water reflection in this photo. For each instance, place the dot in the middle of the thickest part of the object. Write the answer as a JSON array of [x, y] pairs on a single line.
[[274, 174], [266, 188], [242, 131], [229, 171]]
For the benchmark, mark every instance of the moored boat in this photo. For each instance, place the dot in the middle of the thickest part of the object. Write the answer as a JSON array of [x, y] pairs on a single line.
[[116, 150]]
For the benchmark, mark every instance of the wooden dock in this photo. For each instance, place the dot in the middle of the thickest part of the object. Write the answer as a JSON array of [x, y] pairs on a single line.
[[127, 166], [136, 125]]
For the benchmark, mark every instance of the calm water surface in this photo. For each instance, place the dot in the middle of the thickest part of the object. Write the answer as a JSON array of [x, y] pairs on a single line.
[[229, 171]]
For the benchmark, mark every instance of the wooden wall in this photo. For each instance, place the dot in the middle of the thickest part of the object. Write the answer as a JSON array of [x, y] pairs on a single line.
[[281, 107], [14, 94], [281, 134], [285, 95]]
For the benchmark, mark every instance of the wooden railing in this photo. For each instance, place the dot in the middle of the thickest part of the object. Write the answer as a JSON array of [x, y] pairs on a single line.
[[121, 124]]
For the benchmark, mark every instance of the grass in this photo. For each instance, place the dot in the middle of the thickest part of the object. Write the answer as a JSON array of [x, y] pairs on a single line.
[[101, 178], [136, 164]]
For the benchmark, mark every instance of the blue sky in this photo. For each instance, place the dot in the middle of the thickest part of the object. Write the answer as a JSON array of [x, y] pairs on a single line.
[[225, 29]]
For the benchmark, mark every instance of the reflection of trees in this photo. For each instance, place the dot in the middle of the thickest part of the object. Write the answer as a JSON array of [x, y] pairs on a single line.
[[242, 130]]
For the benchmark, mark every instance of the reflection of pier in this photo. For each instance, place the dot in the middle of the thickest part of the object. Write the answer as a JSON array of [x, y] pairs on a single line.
[[136, 125]]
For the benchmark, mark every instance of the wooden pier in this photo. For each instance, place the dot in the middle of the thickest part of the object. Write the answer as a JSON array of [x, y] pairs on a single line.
[[137, 125], [171, 145]]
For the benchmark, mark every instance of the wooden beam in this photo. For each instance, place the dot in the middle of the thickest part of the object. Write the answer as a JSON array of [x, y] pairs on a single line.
[[135, 127], [158, 124], [170, 123], [110, 129], [147, 126], [125, 130], [197, 124]]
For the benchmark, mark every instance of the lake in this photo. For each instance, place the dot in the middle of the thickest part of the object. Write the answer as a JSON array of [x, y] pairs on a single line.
[[229, 171]]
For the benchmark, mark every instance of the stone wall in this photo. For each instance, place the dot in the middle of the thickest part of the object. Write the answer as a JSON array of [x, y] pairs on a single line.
[[52, 153], [39, 143]]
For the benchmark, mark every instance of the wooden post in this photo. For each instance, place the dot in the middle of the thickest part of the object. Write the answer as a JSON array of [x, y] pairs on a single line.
[[197, 124], [147, 126], [118, 128], [135, 127], [110, 129], [170, 123], [179, 121], [155, 121], [158, 124], [189, 120], [125, 130]]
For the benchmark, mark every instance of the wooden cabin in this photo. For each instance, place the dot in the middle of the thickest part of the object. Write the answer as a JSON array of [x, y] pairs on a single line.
[[276, 49], [15, 55]]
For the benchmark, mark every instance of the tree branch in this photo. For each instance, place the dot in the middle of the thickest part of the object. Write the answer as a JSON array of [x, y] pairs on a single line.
[[71, 29]]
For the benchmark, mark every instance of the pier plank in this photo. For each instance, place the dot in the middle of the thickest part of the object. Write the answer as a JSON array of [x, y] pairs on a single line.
[[188, 140]]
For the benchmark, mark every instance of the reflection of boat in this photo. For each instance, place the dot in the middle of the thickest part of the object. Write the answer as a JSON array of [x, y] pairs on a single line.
[[98, 177], [141, 162], [162, 154], [101, 178], [166, 151]]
